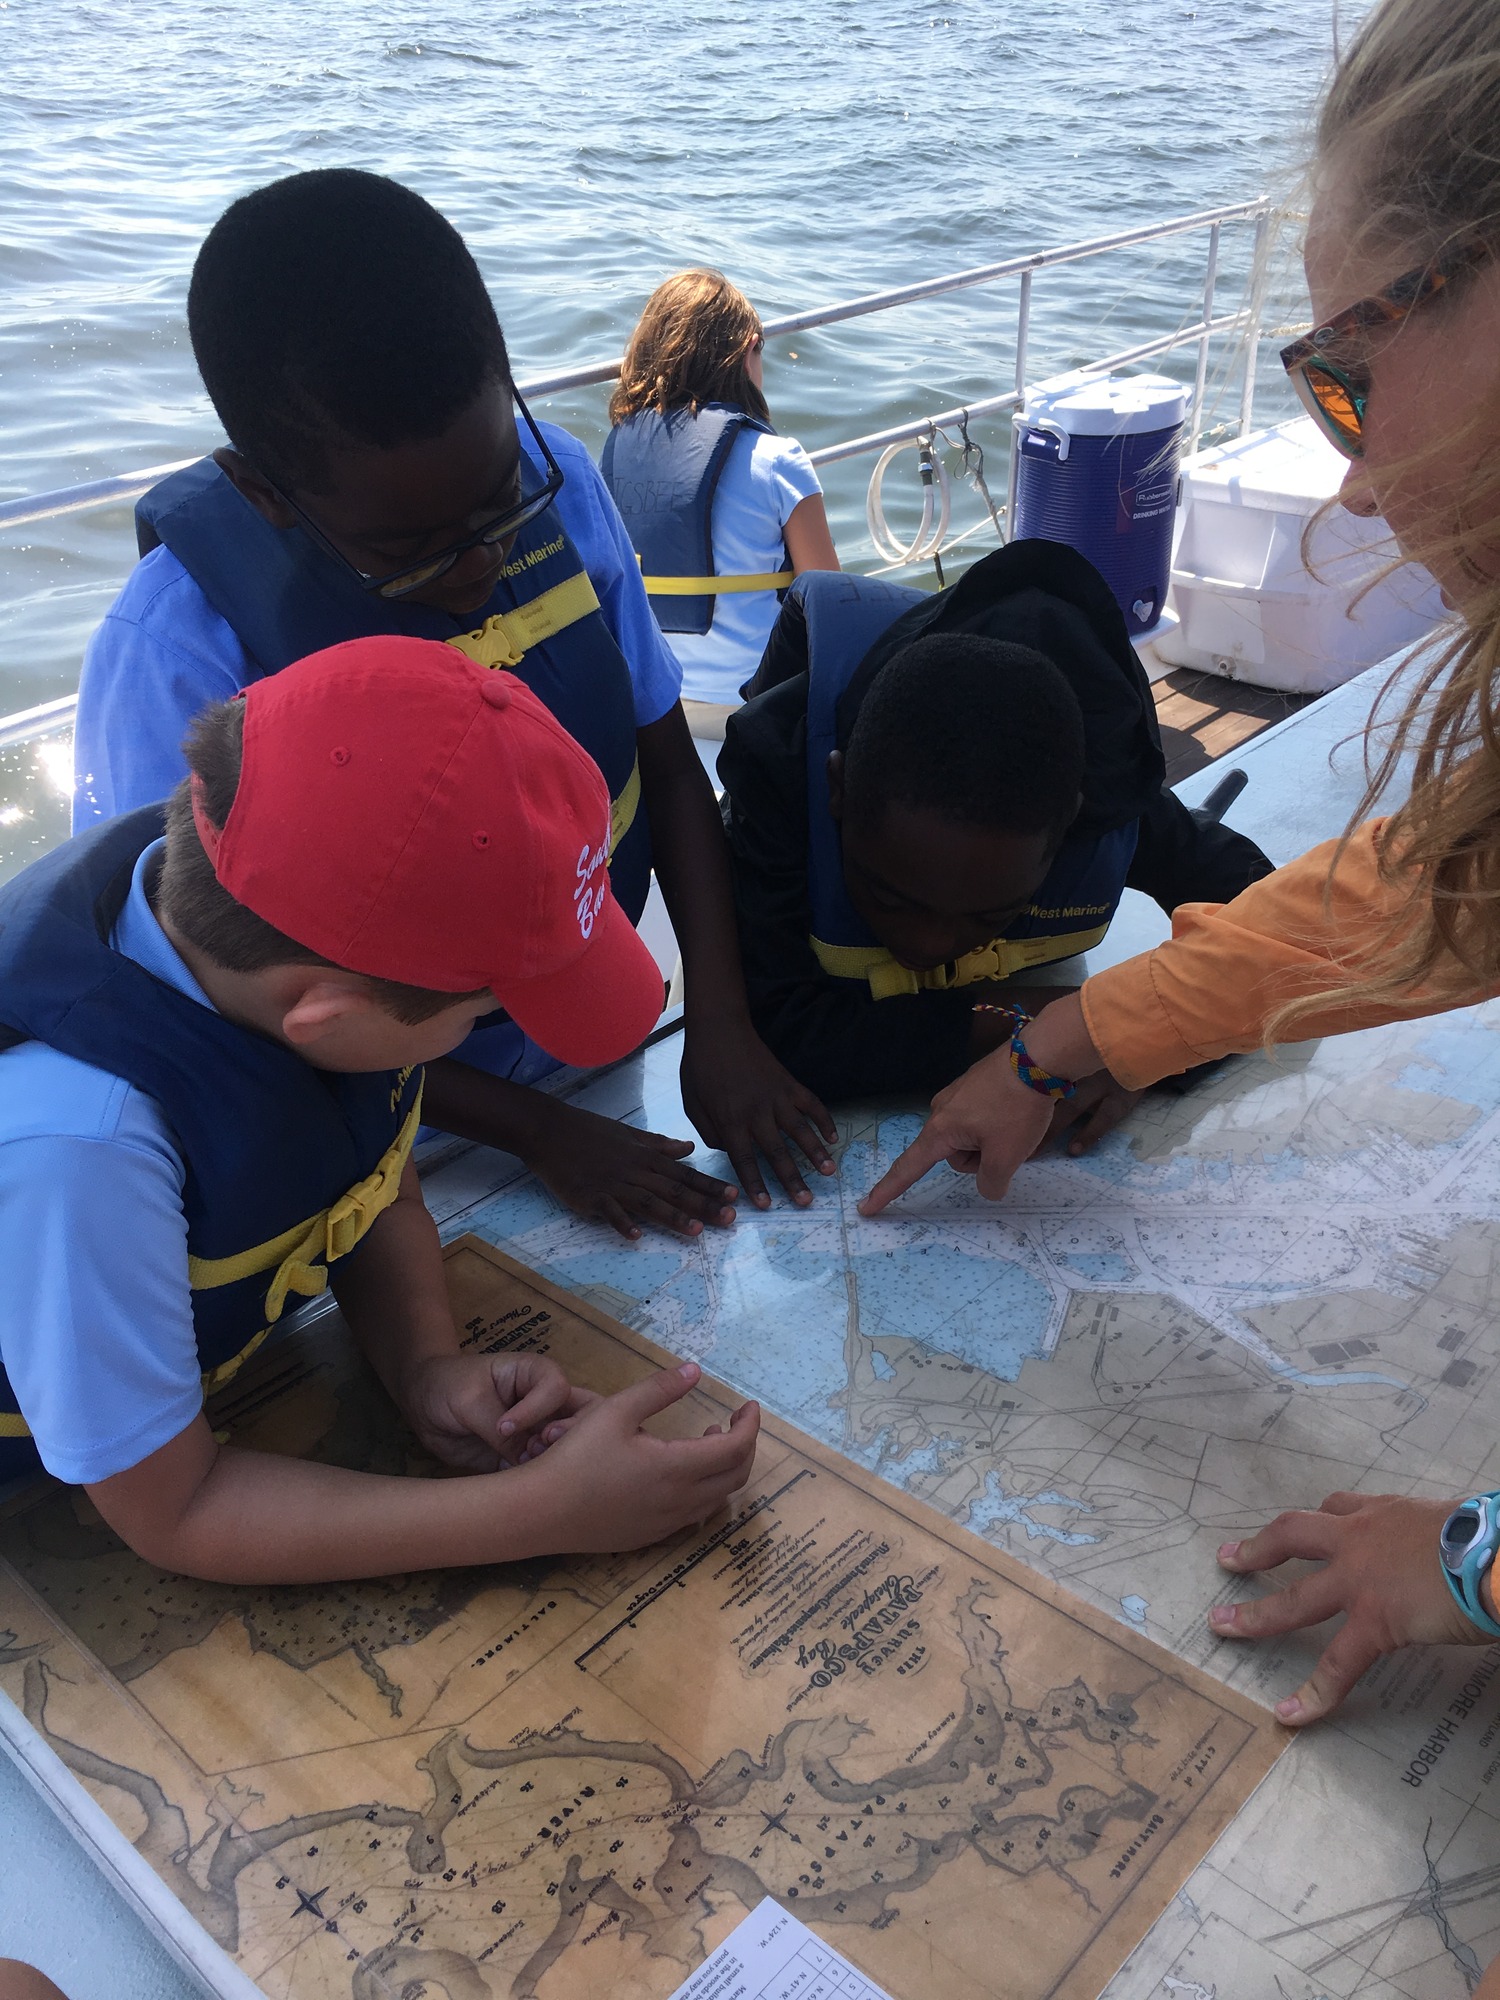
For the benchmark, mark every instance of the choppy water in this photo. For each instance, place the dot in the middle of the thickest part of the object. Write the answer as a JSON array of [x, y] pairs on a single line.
[[813, 148]]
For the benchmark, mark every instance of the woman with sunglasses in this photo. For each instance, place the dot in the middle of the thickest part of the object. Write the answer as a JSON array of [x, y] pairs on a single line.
[[1401, 917], [744, 510]]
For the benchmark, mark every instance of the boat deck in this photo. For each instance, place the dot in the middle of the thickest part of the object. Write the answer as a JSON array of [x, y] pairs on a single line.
[[1204, 717]]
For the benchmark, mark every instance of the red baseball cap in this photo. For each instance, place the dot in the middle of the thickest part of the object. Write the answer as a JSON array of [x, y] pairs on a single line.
[[408, 814]]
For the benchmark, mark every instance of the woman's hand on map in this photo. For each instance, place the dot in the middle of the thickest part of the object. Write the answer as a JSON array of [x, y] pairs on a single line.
[[988, 1122], [479, 1412], [613, 1485], [1380, 1568]]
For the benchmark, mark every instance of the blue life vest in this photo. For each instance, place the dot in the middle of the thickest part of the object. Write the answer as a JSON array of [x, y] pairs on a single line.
[[284, 598], [286, 1166], [662, 472], [1028, 591]]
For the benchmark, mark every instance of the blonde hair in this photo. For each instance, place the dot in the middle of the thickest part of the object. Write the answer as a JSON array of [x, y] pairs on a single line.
[[690, 347], [1410, 131]]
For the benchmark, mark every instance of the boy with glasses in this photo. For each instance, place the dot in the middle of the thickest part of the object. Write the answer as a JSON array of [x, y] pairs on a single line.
[[383, 477]]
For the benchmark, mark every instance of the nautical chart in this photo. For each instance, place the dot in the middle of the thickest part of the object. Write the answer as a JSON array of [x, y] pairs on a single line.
[[1281, 1285], [577, 1779]]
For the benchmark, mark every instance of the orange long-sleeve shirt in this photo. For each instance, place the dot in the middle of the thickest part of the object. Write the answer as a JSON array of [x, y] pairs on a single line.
[[1209, 990]]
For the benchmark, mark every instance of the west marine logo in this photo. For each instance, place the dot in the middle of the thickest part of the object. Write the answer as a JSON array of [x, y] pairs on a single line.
[[534, 556]]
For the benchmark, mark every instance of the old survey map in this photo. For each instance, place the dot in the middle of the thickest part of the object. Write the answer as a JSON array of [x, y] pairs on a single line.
[[1281, 1285], [573, 1780]]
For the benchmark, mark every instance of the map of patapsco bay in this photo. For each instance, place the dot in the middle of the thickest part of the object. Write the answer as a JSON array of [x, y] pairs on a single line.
[[576, 1780]]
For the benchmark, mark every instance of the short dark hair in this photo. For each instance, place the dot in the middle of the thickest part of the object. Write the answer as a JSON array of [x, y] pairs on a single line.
[[191, 897], [981, 731], [338, 305]]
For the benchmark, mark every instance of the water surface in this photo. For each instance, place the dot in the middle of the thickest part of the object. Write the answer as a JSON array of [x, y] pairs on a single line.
[[812, 148]]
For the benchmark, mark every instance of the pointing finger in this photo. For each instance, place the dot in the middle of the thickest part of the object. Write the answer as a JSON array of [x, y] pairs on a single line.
[[920, 1157]]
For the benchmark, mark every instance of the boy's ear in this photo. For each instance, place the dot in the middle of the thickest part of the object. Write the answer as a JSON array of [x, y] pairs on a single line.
[[835, 771], [254, 487], [322, 1005]]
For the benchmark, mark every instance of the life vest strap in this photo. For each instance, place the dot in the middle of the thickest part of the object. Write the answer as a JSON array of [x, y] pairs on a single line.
[[717, 586], [332, 1234], [999, 959], [329, 1235], [505, 639]]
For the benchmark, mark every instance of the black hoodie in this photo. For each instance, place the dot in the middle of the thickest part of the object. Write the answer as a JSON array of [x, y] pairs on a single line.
[[830, 1032]]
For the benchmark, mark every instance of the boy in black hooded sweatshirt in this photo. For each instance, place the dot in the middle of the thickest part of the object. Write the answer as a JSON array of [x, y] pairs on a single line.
[[927, 795]]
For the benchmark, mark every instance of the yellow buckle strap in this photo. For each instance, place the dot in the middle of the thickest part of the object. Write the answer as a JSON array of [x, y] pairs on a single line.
[[215, 1378], [332, 1234], [999, 959], [505, 639], [717, 586], [329, 1235]]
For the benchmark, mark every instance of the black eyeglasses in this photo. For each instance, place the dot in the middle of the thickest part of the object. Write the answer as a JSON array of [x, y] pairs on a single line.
[[401, 582]]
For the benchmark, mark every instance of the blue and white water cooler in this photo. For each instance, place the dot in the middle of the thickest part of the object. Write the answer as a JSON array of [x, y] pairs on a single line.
[[1097, 468]]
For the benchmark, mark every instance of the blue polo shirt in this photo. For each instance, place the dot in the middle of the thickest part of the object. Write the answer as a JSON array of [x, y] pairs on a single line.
[[163, 653], [96, 1316]]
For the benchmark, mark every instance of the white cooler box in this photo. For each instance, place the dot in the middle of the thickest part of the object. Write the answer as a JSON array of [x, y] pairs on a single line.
[[1249, 607]]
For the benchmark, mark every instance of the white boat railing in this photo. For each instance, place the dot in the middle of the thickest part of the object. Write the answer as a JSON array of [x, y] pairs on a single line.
[[127, 487]]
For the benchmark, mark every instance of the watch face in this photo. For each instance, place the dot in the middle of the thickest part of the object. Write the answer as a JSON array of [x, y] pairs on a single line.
[[1460, 1531]]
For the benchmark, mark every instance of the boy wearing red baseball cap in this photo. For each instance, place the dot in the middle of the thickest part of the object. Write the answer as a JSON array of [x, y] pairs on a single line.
[[215, 1017]]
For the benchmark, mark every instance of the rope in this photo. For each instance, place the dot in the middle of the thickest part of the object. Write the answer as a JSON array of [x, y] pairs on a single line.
[[935, 515]]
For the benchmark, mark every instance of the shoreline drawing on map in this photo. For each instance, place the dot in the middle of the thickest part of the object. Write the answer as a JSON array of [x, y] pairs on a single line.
[[579, 1777]]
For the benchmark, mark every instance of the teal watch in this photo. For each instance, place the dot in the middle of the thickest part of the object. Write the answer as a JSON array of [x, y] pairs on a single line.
[[1467, 1546]]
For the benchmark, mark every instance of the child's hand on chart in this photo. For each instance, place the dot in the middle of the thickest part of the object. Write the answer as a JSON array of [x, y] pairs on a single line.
[[479, 1412], [618, 1174], [1380, 1557], [745, 1102], [615, 1486]]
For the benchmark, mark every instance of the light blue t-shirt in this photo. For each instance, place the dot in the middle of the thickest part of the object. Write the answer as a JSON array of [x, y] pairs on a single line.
[[163, 653], [96, 1316], [764, 478]]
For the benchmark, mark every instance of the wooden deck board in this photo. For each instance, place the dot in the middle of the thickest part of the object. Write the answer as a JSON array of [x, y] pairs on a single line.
[[1203, 717]]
